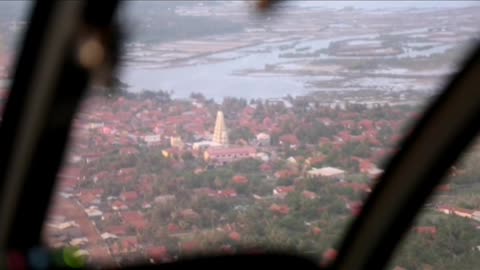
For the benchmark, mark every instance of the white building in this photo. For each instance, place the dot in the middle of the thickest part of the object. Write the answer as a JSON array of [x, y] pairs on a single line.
[[476, 215], [93, 212], [263, 156], [327, 172], [263, 139], [152, 139], [204, 145]]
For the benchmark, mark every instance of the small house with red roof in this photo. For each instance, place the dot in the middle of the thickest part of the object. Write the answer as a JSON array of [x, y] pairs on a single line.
[[316, 230], [265, 167], [309, 195], [157, 254], [366, 124], [285, 174], [426, 230], [289, 140], [357, 187], [189, 247], [227, 193], [173, 228], [128, 151], [135, 220], [118, 230], [280, 209], [118, 206], [282, 191], [88, 198], [189, 214], [129, 244], [316, 160], [355, 207], [129, 196], [329, 256], [240, 180]]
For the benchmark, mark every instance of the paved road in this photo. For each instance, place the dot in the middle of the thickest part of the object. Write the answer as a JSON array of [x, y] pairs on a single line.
[[96, 245]]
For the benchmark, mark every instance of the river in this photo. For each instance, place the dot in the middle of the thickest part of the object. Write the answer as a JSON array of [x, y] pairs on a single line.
[[218, 79]]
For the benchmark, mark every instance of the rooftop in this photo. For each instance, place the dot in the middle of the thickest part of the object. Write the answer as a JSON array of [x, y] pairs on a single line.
[[326, 171]]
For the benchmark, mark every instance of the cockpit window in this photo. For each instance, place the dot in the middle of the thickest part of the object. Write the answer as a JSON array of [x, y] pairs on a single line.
[[229, 131], [445, 235]]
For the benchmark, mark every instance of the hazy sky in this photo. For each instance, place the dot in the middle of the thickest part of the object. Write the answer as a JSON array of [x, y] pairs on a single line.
[[383, 4]]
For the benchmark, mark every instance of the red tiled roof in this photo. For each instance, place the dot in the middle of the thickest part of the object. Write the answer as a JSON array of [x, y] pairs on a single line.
[[158, 253], [280, 209], [355, 207], [314, 161], [217, 151], [126, 175], [284, 174], [87, 198], [118, 205], [135, 220], [125, 179], [205, 192], [189, 214], [173, 228], [96, 191], [356, 187], [227, 249], [366, 124], [316, 230], [266, 167], [129, 196], [240, 180], [326, 121], [329, 256], [128, 151], [102, 176], [189, 247], [289, 139], [68, 184], [248, 110], [227, 193], [444, 188], [309, 195], [129, 242], [267, 121], [348, 123], [118, 230], [235, 236], [146, 187], [127, 171], [275, 130], [284, 189]]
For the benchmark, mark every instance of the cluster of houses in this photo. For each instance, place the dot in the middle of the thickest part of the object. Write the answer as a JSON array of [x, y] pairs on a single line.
[[114, 199], [110, 228]]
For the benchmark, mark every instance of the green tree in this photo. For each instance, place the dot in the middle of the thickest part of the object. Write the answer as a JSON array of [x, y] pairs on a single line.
[[240, 133]]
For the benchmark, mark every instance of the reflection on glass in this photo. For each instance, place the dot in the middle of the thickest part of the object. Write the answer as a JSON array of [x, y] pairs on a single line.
[[12, 24], [230, 132]]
